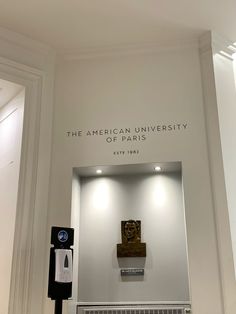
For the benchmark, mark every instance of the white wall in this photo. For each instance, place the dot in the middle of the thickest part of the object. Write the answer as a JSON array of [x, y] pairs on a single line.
[[138, 90], [156, 200], [75, 221], [226, 101], [11, 122]]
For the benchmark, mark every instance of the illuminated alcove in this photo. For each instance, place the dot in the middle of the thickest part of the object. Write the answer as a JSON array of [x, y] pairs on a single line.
[[100, 201]]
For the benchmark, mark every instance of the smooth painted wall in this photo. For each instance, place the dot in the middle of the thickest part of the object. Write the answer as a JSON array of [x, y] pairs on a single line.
[[140, 90], [226, 101], [11, 122]]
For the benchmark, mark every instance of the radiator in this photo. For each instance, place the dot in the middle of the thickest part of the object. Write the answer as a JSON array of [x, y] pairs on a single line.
[[135, 310]]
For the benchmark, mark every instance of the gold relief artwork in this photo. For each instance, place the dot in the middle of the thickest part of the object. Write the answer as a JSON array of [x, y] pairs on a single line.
[[131, 245], [131, 231]]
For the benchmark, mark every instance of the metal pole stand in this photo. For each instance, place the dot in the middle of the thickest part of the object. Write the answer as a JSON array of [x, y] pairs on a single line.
[[58, 306]]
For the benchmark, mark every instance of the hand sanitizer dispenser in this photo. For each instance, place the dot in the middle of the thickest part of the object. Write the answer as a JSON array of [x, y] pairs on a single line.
[[63, 272], [61, 266]]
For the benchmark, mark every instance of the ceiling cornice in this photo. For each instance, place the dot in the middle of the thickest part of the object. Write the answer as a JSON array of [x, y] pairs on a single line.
[[217, 44], [19, 48], [129, 49], [24, 42]]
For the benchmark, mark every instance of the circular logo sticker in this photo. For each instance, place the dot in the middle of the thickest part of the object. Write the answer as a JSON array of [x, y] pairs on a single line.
[[62, 236]]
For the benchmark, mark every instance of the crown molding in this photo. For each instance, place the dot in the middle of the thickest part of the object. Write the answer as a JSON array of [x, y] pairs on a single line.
[[128, 49], [223, 46], [23, 50], [24, 41], [217, 44]]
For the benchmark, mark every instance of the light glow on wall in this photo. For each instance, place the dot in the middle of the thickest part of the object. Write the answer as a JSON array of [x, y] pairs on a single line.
[[101, 195], [234, 67], [159, 193]]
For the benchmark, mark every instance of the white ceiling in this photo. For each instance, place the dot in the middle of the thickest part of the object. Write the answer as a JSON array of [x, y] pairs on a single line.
[[8, 91], [70, 25]]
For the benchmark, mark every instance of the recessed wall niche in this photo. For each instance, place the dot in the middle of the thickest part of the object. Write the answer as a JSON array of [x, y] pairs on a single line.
[[100, 201]]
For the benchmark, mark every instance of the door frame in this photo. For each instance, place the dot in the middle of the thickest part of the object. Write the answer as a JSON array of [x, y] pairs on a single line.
[[30, 238]]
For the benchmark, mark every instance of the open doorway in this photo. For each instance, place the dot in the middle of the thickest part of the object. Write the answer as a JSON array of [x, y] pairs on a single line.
[[12, 98]]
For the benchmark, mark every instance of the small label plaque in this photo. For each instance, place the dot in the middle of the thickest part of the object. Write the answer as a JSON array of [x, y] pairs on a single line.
[[132, 272]]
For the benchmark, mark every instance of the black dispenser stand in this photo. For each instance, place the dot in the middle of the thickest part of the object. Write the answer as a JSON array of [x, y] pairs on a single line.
[[62, 238], [58, 306]]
